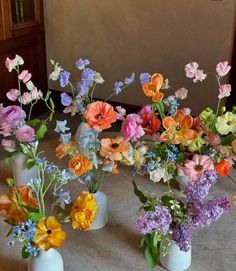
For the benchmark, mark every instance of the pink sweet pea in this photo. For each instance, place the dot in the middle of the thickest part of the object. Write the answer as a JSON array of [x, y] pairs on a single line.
[[199, 76], [9, 145], [186, 110], [26, 98], [13, 94], [121, 112], [131, 127], [25, 76], [181, 93], [36, 94], [212, 139], [25, 133], [224, 91], [190, 69], [6, 129], [223, 68], [12, 63]]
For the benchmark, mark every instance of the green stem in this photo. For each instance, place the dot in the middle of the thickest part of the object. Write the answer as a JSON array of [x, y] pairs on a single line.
[[92, 92], [31, 108], [115, 93]]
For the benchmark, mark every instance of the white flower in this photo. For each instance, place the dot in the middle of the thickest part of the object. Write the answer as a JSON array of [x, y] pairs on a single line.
[[165, 85], [98, 78], [54, 76]]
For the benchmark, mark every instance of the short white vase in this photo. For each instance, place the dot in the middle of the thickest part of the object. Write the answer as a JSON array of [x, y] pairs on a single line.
[[50, 260], [182, 180], [21, 174], [101, 215], [175, 259], [81, 130]]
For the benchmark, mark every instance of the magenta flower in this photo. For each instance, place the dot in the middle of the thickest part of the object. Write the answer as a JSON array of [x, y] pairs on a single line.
[[12, 114], [131, 127], [9, 145], [25, 133], [196, 167], [224, 91], [147, 109], [181, 93], [223, 68]]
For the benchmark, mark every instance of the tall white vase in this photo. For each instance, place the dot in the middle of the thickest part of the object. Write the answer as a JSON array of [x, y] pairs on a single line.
[[50, 260], [101, 215], [182, 180], [81, 130], [175, 259], [21, 174]]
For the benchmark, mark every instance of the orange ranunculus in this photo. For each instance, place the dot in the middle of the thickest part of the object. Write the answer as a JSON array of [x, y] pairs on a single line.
[[80, 164], [100, 115], [10, 207], [115, 149], [63, 149], [83, 211], [49, 234], [223, 168], [152, 89], [178, 128], [233, 144]]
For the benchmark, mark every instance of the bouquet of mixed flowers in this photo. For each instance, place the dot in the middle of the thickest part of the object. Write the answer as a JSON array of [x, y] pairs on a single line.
[[171, 217], [15, 125], [33, 221], [178, 142]]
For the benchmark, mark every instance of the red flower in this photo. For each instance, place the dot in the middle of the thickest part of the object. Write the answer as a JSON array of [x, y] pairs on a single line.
[[223, 168], [151, 123]]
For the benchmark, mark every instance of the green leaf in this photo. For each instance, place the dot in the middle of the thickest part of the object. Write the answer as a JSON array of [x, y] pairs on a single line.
[[144, 241], [35, 217], [25, 254], [52, 104], [228, 139], [139, 193], [150, 258], [160, 108], [33, 122], [41, 131], [10, 232], [30, 163], [234, 165], [166, 200]]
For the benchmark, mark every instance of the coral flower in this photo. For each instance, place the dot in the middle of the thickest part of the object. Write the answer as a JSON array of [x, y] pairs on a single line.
[[223, 168], [152, 89], [151, 123], [196, 167], [49, 234], [64, 149], [100, 115], [178, 128], [10, 206], [80, 164], [115, 149], [83, 211]]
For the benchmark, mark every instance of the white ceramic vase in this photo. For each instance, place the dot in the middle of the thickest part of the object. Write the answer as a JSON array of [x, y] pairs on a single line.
[[175, 259], [101, 215], [50, 260], [81, 130], [182, 180], [21, 174]]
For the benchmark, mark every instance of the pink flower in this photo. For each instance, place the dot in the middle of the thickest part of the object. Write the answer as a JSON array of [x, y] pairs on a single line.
[[186, 110], [36, 94], [25, 133], [199, 76], [26, 98], [171, 97], [9, 145], [165, 85], [147, 109], [224, 91], [196, 167], [121, 112], [6, 129], [131, 127], [13, 94], [197, 124], [212, 139], [190, 69], [25, 76], [223, 68], [73, 109], [12, 114], [12, 63], [181, 93]]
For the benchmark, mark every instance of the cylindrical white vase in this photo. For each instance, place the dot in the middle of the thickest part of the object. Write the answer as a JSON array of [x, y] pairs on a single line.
[[81, 130], [175, 259], [50, 260], [101, 215], [21, 174], [182, 180]]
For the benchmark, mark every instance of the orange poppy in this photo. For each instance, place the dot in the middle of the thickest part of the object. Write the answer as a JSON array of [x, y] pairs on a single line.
[[11, 206], [80, 164], [100, 115], [49, 234], [63, 149], [115, 149], [178, 128], [223, 168], [152, 89]]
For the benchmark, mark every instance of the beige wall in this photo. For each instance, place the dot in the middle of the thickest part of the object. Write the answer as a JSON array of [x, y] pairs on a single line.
[[121, 36]]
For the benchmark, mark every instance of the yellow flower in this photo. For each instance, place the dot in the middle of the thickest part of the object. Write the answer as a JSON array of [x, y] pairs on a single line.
[[80, 164], [64, 149], [138, 158], [226, 123], [195, 144], [49, 234], [83, 211]]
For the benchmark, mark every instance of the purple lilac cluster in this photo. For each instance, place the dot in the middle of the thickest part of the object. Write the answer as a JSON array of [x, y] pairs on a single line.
[[181, 235], [158, 220]]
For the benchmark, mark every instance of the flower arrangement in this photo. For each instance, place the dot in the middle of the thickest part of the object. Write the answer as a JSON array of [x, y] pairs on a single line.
[[16, 126], [33, 223], [179, 143], [172, 216]]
